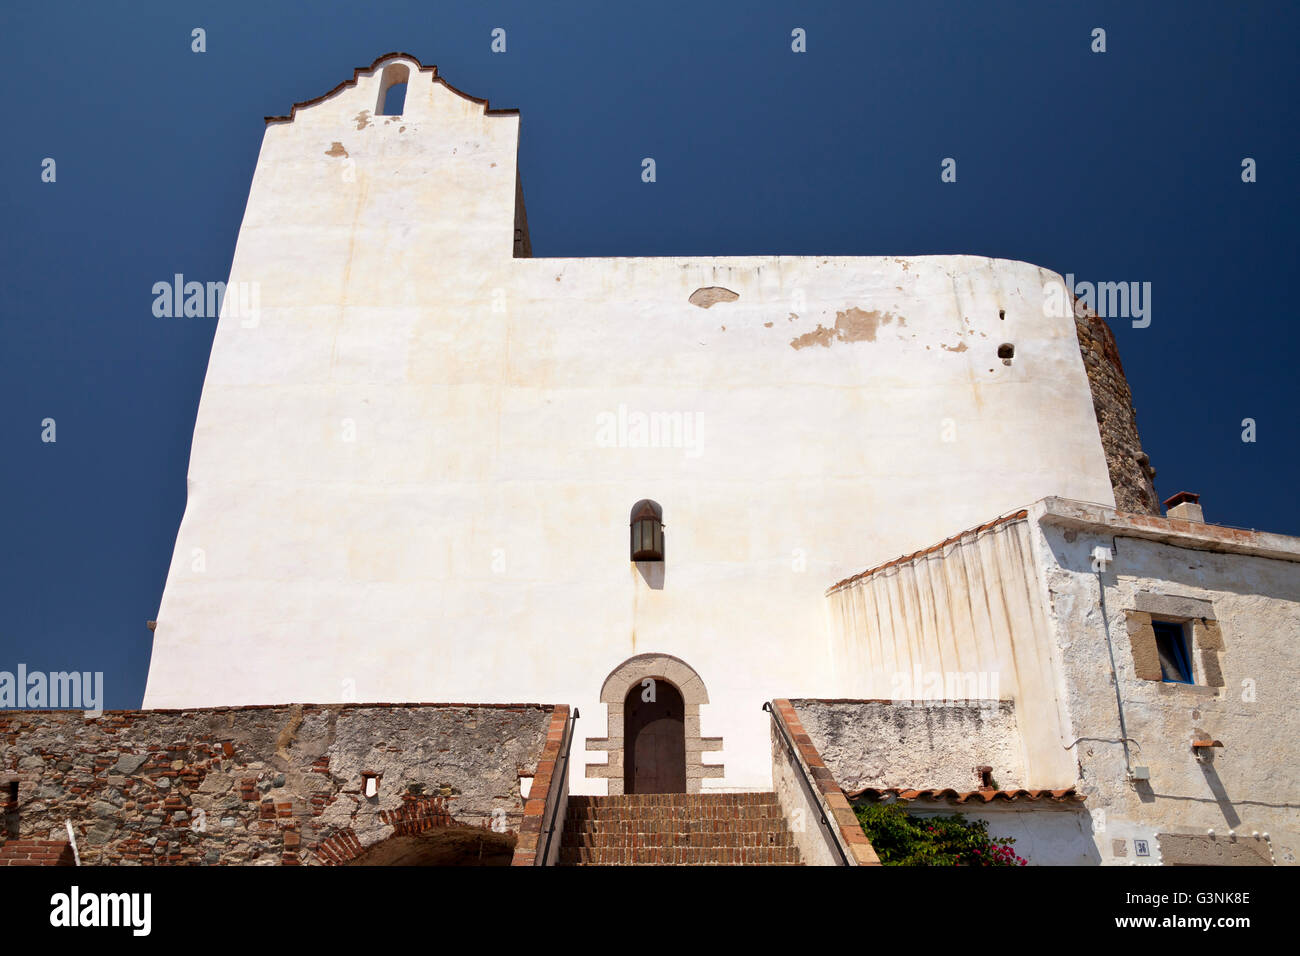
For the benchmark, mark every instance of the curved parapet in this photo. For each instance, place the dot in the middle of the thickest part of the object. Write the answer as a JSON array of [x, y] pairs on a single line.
[[380, 66]]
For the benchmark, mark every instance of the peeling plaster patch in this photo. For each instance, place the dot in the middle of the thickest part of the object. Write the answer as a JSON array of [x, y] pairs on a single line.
[[336, 150], [851, 325], [959, 347], [767, 325], [401, 129], [363, 119], [711, 295], [793, 316], [855, 325], [818, 336]]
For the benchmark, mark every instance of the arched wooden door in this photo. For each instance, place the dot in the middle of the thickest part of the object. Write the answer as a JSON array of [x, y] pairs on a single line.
[[655, 740]]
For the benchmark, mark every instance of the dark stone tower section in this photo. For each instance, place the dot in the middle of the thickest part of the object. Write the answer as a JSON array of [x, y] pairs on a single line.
[[523, 244], [1131, 474]]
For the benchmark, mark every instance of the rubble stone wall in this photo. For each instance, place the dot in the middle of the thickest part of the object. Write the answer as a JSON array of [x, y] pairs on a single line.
[[263, 785]]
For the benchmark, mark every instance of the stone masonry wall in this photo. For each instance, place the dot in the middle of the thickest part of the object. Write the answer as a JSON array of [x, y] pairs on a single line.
[[1131, 474], [881, 743], [263, 785]]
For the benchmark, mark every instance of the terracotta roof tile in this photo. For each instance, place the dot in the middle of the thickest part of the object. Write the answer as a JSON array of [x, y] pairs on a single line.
[[1068, 795], [1015, 516]]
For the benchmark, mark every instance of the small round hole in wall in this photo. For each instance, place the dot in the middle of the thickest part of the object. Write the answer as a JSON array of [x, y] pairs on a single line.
[[1006, 352]]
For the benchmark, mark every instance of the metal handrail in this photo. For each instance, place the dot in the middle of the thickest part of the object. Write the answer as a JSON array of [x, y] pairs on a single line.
[[806, 781], [563, 780]]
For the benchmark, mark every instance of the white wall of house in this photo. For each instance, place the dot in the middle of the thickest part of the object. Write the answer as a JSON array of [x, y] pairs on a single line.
[[1044, 834], [412, 469], [1249, 584]]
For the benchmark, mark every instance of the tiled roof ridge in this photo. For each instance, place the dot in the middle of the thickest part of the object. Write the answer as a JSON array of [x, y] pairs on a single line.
[[1067, 795], [896, 701], [1004, 519]]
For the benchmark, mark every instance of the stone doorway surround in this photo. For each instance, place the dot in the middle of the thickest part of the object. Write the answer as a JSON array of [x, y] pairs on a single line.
[[614, 691]]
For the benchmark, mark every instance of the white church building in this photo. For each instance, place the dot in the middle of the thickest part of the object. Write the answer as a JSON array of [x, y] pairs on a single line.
[[430, 466]]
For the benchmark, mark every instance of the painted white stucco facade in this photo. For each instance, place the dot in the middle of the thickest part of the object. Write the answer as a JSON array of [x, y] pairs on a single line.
[[412, 468]]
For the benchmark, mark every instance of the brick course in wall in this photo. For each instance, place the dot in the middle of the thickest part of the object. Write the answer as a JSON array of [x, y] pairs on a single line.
[[27, 852], [1131, 475], [275, 785]]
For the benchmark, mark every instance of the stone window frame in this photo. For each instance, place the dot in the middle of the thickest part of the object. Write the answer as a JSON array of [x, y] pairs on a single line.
[[613, 693], [1201, 627]]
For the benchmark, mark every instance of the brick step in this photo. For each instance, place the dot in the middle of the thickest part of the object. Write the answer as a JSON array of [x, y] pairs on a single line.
[[677, 829], [680, 856], [680, 822], [704, 840], [757, 815], [641, 800]]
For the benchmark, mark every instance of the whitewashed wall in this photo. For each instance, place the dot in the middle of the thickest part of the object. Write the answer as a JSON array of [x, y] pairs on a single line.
[[398, 488], [1044, 834]]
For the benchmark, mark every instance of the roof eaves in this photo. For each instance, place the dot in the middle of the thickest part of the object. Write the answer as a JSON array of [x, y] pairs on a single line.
[[1004, 519], [952, 795]]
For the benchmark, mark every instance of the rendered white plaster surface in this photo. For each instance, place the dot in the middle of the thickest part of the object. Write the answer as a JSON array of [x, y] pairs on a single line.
[[399, 487], [1044, 835]]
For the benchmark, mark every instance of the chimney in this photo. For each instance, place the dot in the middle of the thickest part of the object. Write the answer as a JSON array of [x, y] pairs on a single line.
[[1185, 505]]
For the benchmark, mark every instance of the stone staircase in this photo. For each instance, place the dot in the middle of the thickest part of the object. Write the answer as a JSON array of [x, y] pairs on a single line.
[[677, 829]]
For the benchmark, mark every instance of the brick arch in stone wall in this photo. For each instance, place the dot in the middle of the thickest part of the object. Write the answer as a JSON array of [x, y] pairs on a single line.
[[422, 832], [613, 693]]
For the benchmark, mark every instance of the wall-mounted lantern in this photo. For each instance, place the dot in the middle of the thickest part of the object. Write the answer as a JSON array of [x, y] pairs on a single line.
[[647, 531]]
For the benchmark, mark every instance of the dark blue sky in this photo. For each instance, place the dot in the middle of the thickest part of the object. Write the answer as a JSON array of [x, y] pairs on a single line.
[[1119, 166]]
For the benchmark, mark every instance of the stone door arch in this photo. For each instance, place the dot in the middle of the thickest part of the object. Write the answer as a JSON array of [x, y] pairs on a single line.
[[635, 672]]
